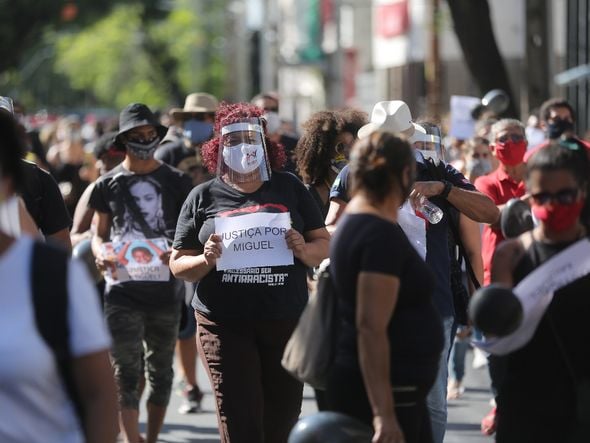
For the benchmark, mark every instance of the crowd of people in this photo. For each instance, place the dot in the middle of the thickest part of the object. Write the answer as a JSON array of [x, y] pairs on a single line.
[[199, 232]]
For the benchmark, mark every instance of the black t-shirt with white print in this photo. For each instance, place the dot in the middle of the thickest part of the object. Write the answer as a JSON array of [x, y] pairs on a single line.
[[159, 196], [276, 292]]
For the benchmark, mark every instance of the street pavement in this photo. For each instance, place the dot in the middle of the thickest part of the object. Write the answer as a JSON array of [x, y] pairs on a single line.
[[465, 414]]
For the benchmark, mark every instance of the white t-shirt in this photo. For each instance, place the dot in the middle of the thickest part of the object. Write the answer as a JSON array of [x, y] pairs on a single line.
[[10, 217], [34, 405]]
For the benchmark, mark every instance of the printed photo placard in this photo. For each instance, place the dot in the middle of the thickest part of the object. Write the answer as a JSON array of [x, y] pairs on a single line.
[[137, 260]]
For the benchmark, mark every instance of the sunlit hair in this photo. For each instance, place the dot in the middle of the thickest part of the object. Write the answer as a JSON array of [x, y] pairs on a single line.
[[318, 143], [377, 164], [503, 124], [568, 155], [229, 113]]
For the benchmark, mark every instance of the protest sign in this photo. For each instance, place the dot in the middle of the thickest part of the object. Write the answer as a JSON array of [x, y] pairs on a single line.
[[137, 260], [462, 124], [254, 240]]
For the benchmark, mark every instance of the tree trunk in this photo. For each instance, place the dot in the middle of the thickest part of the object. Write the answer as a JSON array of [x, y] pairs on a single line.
[[473, 27]]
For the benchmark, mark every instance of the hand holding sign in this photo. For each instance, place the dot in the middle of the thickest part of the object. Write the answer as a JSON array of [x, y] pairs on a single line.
[[212, 249], [254, 240], [295, 242]]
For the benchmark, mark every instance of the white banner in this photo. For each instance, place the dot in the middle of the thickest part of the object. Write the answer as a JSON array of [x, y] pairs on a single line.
[[535, 293], [254, 240], [462, 124]]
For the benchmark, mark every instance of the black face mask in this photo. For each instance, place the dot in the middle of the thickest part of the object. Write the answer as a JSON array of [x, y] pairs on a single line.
[[558, 127]]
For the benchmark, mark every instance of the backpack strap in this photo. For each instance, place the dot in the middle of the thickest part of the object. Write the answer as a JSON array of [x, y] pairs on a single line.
[[49, 273]]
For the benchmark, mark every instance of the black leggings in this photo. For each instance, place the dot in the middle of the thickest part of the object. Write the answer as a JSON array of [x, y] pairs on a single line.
[[346, 393]]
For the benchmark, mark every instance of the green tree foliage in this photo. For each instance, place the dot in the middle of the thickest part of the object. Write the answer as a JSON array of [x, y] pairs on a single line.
[[112, 52], [109, 59], [127, 56]]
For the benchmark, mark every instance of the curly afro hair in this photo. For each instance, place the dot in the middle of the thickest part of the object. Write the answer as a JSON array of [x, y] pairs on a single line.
[[229, 113], [316, 146]]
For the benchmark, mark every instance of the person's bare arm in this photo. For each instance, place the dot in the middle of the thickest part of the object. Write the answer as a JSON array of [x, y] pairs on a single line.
[[82, 217], [474, 204], [507, 255], [102, 235], [376, 300], [94, 381], [311, 247], [335, 211], [471, 237], [62, 238], [194, 264]]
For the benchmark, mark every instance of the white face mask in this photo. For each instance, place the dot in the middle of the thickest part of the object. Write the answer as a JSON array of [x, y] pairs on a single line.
[[243, 158], [426, 154]]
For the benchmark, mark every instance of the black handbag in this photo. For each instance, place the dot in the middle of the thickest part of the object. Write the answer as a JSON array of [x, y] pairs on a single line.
[[310, 351]]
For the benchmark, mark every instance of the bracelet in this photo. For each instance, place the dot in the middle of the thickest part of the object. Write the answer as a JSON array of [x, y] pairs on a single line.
[[447, 189]]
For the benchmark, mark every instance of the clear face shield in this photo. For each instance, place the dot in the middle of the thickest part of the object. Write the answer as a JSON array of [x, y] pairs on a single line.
[[242, 153], [427, 141]]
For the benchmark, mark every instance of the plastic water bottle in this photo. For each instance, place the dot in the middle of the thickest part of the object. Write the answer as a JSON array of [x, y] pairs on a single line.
[[430, 211]]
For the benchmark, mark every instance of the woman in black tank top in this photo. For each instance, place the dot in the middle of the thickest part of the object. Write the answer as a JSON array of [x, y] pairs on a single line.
[[541, 394]]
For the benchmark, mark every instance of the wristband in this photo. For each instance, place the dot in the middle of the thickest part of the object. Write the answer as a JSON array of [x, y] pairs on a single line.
[[446, 189]]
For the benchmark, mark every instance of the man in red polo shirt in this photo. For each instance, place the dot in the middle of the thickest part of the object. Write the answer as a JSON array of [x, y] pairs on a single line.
[[557, 120], [508, 144]]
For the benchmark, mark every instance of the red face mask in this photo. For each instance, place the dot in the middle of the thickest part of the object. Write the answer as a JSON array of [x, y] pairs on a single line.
[[511, 153], [558, 217]]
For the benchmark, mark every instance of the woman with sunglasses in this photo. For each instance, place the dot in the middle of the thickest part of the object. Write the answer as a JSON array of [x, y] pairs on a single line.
[[542, 382]]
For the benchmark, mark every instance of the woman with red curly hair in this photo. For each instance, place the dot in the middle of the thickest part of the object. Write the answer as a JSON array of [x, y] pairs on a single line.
[[245, 316]]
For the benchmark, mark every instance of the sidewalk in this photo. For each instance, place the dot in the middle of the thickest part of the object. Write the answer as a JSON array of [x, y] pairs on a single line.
[[465, 414]]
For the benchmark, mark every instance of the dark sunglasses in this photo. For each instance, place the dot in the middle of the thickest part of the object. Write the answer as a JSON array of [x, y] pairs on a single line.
[[563, 197], [478, 155], [514, 137]]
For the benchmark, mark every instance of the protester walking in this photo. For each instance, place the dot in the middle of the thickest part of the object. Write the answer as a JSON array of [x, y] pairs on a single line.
[[323, 150], [56, 384], [508, 144], [246, 315], [136, 201], [544, 393], [390, 335], [447, 188]]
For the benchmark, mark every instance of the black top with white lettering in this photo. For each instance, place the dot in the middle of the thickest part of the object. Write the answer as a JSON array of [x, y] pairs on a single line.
[[159, 196], [275, 292], [367, 243]]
